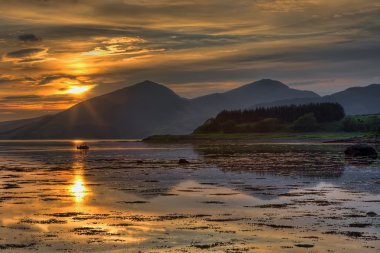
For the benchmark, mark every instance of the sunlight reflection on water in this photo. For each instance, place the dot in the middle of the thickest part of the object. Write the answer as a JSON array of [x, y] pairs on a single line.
[[130, 197], [78, 189]]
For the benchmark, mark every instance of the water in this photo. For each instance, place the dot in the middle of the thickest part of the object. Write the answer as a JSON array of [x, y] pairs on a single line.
[[131, 197]]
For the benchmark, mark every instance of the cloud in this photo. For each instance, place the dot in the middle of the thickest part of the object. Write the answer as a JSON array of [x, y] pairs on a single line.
[[27, 52], [32, 60], [5, 79], [27, 55], [123, 40], [286, 5], [195, 46], [31, 98], [51, 78], [311, 82], [29, 37], [119, 46], [23, 97]]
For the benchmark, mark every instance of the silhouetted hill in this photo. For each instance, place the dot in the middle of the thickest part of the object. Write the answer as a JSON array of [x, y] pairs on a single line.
[[9, 126], [132, 112], [265, 90], [356, 100], [149, 108]]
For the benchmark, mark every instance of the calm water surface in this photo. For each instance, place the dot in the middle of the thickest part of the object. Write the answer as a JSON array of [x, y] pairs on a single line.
[[131, 197]]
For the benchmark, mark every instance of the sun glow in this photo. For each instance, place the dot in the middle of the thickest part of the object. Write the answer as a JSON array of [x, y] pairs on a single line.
[[77, 90]]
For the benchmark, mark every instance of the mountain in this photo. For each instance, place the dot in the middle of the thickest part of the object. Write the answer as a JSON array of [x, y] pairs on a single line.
[[131, 112], [356, 100], [263, 91], [149, 108], [9, 126]]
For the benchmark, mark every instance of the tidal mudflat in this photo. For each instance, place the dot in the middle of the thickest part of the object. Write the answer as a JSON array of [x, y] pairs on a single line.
[[136, 197]]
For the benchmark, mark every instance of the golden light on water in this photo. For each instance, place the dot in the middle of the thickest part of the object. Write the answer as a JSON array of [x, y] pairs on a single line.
[[78, 189]]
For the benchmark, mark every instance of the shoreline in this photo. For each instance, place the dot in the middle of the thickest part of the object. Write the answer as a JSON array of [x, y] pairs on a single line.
[[275, 138]]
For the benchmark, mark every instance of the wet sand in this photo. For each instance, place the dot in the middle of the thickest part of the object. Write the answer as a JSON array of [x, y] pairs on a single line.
[[132, 196]]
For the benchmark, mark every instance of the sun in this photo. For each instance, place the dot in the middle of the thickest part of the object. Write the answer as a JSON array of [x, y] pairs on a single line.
[[77, 90]]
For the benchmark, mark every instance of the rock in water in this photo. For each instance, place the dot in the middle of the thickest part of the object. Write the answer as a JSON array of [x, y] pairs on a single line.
[[183, 161], [361, 150], [371, 214]]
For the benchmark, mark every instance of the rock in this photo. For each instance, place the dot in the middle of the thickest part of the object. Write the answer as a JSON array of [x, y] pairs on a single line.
[[304, 245], [361, 150], [371, 214], [183, 161]]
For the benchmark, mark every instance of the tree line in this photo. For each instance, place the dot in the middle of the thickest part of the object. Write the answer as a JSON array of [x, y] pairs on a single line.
[[294, 117], [323, 112]]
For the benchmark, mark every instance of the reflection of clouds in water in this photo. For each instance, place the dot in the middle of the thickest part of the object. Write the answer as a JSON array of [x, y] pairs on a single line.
[[360, 161], [287, 161], [127, 204]]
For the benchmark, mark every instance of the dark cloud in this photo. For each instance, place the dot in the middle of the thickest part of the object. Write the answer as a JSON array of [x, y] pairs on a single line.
[[28, 37], [24, 97], [311, 82], [31, 60], [32, 97], [27, 52], [5, 79], [12, 79], [51, 78]]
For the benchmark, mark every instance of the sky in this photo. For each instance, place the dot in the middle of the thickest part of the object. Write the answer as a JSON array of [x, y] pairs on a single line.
[[56, 53]]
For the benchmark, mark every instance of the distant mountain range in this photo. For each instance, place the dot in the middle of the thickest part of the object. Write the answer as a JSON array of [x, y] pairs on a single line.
[[356, 100], [149, 108]]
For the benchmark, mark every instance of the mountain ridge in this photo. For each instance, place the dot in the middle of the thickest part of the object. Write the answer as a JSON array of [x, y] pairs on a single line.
[[355, 100], [148, 108]]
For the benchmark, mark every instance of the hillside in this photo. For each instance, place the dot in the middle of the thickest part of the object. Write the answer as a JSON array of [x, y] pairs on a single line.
[[10, 126], [356, 100], [263, 91], [148, 108], [132, 112]]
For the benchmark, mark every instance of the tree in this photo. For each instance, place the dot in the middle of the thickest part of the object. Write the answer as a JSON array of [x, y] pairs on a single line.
[[210, 126], [372, 123], [306, 123], [361, 123], [267, 119], [349, 124], [267, 125], [324, 112], [229, 127]]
